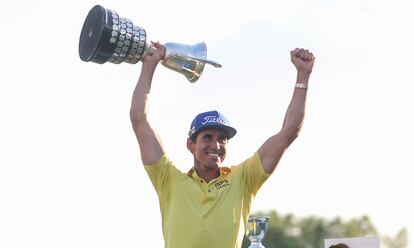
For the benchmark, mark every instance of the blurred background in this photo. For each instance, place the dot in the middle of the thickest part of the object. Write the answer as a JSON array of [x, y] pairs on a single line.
[[70, 168]]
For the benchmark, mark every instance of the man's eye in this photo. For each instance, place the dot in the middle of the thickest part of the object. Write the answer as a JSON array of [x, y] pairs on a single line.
[[222, 140], [207, 137]]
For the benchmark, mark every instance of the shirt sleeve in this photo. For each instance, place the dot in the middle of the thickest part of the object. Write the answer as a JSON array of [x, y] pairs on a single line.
[[253, 174], [162, 174]]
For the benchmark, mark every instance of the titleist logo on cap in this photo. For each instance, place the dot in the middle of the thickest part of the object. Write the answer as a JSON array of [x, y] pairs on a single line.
[[213, 119]]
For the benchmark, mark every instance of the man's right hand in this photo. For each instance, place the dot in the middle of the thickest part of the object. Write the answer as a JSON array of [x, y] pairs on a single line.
[[153, 55]]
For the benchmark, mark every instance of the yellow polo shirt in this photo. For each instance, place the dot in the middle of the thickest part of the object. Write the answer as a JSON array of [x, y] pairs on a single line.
[[196, 214]]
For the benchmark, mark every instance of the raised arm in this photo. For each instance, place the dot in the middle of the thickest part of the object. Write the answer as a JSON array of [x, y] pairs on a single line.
[[272, 150], [149, 142]]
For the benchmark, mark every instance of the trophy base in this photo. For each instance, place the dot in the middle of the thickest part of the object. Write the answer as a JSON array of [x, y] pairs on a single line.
[[107, 37], [256, 245], [94, 29]]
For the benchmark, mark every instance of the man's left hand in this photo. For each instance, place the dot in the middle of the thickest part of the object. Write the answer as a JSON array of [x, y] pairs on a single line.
[[302, 59]]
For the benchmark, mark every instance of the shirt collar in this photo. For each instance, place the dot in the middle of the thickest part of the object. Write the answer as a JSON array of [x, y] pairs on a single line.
[[223, 171]]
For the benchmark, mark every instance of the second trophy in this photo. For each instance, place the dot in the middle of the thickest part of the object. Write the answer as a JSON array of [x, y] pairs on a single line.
[[256, 230]]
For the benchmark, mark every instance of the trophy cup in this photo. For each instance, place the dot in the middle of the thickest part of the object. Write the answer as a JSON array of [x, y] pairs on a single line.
[[256, 230], [108, 37]]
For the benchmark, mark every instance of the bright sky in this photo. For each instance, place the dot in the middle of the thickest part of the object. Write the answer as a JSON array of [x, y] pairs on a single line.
[[70, 170]]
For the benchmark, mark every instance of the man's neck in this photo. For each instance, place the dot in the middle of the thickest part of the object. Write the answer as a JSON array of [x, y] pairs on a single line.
[[207, 174]]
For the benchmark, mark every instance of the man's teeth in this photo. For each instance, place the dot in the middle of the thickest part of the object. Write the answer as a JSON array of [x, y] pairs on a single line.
[[213, 154]]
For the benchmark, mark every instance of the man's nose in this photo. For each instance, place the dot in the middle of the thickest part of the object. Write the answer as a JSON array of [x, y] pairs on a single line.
[[216, 144]]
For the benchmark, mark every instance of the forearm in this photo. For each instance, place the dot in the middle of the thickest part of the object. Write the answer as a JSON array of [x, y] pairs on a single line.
[[296, 110], [140, 96]]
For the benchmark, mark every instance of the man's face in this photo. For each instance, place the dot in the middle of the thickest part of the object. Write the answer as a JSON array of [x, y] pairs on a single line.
[[209, 148]]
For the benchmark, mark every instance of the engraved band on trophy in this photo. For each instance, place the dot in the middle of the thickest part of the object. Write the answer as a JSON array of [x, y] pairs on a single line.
[[256, 230], [108, 37]]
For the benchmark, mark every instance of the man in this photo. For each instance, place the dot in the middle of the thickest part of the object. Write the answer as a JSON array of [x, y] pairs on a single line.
[[340, 245], [209, 205]]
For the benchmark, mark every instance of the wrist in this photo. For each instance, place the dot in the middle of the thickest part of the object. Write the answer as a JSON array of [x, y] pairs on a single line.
[[147, 71], [301, 86], [302, 77], [148, 68]]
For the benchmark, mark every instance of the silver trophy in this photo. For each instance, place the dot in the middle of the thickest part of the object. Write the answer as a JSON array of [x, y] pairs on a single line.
[[256, 230], [108, 37]]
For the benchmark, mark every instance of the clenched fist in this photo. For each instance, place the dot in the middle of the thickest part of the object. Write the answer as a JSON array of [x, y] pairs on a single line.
[[154, 54], [302, 59]]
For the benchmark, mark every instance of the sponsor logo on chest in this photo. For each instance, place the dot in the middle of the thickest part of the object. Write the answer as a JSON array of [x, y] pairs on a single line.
[[221, 184]]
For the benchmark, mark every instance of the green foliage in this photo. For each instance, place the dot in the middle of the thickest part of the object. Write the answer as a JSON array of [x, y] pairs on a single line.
[[400, 241], [286, 231]]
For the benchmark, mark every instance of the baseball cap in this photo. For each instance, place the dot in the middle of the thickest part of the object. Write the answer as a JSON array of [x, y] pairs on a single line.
[[211, 119]]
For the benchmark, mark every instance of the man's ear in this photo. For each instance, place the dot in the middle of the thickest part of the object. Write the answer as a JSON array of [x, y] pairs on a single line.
[[190, 145]]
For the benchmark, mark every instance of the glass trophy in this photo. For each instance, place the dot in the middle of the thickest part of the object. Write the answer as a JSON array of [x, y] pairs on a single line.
[[256, 230]]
